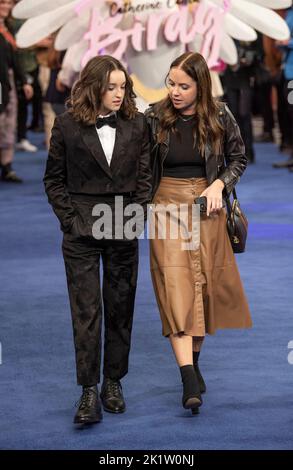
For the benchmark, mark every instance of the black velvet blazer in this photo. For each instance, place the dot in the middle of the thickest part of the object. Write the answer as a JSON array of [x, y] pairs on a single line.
[[77, 164]]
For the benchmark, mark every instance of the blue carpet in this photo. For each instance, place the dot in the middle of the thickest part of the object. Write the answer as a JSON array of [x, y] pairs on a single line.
[[249, 380]]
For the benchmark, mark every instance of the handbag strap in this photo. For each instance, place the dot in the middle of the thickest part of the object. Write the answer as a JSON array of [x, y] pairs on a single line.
[[228, 201]]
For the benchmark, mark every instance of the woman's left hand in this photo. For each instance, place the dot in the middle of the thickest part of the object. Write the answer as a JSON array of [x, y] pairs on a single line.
[[214, 195]]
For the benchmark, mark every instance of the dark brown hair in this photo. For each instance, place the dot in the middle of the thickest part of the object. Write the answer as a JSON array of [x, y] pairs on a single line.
[[207, 127], [86, 95]]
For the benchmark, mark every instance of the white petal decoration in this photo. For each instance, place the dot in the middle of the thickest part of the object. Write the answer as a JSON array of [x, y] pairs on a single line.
[[238, 30], [149, 67], [262, 19], [72, 32], [274, 4], [39, 27], [29, 8], [228, 51], [74, 55]]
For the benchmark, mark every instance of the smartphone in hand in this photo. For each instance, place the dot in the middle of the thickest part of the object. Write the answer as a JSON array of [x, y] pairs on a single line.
[[203, 203]]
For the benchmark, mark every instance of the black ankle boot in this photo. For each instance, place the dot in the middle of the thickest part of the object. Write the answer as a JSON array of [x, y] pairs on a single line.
[[191, 398], [202, 385], [89, 409], [112, 396], [9, 175]]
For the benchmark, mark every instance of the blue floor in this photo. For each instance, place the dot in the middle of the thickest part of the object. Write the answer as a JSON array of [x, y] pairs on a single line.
[[249, 403]]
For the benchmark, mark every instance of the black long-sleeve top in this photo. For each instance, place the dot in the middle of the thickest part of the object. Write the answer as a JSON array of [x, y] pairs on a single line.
[[183, 159]]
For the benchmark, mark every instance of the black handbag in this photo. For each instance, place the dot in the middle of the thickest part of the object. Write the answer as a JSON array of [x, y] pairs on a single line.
[[237, 224]]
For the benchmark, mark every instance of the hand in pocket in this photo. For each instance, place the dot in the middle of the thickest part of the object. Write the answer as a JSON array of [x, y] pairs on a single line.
[[75, 232]]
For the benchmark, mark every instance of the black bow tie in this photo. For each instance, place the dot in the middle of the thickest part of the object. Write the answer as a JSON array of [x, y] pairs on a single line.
[[106, 121]]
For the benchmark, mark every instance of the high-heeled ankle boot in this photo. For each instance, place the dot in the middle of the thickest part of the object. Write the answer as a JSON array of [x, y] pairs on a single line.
[[191, 398], [202, 385]]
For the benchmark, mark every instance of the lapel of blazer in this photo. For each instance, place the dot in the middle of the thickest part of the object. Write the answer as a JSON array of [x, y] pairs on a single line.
[[123, 136], [91, 139]]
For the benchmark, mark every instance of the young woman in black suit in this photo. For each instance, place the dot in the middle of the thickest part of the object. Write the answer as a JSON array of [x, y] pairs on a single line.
[[99, 149]]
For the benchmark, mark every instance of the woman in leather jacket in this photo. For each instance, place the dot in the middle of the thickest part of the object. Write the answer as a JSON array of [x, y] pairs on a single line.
[[197, 151]]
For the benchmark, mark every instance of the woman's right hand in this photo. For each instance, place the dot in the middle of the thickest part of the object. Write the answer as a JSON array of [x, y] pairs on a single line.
[[214, 195]]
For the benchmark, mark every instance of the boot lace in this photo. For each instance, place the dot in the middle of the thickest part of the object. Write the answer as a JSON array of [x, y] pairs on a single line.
[[113, 388], [87, 399]]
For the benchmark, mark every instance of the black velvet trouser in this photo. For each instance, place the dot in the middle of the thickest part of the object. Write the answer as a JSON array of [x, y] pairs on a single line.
[[82, 262]]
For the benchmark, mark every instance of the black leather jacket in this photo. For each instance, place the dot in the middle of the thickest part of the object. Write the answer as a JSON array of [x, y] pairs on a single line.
[[77, 167], [228, 166]]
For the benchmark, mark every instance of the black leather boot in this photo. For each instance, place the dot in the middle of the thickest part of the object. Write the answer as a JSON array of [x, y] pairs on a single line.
[[112, 396], [202, 385], [89, 409], [9, 175], [191, 398]]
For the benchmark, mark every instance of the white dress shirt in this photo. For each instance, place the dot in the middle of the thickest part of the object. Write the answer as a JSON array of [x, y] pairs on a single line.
[[107, 136]]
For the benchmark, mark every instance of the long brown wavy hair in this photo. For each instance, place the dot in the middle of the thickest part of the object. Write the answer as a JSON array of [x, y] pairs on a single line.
[[87, 93], [207, 127]]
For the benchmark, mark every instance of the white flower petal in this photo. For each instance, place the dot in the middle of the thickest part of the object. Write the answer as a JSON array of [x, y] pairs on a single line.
[[262, 19], [72, 32], [274, 4], [228, 51], [30, 8], [238, 30], [39, 27], [74, 55], [235, 27]]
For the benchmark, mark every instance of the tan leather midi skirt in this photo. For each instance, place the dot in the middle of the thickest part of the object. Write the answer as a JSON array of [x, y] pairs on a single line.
[[198, 290]]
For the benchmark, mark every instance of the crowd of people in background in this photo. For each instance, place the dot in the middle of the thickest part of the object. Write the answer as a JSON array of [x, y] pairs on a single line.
[[29, 79], [34, 89], [259, 85]]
